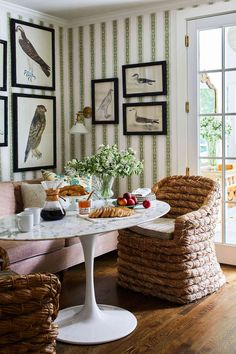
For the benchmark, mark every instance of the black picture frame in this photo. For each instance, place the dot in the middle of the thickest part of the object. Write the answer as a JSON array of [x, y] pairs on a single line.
[[39, 42], [38, 152], [105, 101], [145, 118], [144, 79], [3, 121], [3, 65]]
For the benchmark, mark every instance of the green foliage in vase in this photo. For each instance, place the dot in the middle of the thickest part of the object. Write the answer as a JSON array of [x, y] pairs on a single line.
[[108, 161]]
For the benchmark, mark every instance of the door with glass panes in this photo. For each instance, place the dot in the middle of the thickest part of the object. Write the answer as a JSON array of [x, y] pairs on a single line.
[[212, 118]]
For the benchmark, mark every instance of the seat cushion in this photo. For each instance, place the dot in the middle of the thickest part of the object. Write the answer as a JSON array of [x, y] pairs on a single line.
[[20, 250], [161, 228], [7, 199]]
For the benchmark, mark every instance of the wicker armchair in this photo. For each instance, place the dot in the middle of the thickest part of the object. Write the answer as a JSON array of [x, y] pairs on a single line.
[[184, 267], [28, 307]]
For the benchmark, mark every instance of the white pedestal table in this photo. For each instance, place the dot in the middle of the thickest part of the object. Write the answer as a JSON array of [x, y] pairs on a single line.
[[90, 323]]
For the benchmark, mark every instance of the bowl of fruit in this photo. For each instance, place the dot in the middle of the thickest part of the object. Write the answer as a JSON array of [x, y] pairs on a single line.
[[130, 201]]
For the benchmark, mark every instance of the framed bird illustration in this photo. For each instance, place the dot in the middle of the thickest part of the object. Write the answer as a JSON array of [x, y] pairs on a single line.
[[144, 118], [3, 65], [33, 55], [3, 121], [105, 101], [145, 79], [34, 132]]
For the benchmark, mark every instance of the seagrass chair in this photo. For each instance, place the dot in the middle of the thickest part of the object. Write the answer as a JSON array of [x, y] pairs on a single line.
[[28, 307], [176, 261]]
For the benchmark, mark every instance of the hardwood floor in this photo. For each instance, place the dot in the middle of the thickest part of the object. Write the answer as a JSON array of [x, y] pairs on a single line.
[[205, 327]]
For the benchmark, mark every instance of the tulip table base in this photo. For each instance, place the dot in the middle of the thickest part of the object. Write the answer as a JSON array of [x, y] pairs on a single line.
[[108, 324], [91, 323]]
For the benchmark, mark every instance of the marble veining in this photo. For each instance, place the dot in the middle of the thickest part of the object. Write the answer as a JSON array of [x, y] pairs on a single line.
[[73, 225]]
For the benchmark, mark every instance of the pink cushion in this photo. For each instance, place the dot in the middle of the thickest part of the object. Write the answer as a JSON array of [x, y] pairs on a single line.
[[7, 199], [19, 250]]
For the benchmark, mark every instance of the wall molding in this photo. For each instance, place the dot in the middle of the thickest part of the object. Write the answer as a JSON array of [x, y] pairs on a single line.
[[29, 12], [142, 9]]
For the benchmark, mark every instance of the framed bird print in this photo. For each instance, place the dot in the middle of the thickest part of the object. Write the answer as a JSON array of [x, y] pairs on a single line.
[[33, 55], [3, 65], [3, 121], [105, 101], [145, 118], [146, 79], [34, 132]]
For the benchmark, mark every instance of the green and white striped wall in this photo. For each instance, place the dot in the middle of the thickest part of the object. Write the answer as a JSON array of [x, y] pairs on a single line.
[[6, 153], [98, 50]]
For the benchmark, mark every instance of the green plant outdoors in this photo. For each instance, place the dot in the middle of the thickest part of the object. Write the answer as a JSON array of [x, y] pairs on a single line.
[[211, 126]]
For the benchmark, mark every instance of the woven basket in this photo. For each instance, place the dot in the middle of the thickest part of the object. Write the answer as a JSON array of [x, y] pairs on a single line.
[[28, 306], [184, 268]]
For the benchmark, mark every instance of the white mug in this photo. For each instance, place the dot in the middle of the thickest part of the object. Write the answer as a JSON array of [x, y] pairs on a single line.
[[36, 213], [25, 221]]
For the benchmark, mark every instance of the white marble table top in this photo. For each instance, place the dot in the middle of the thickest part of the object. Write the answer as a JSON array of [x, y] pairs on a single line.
[[73, 225]]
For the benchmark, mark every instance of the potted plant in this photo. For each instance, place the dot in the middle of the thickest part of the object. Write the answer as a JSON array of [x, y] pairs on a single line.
[[107, 164]]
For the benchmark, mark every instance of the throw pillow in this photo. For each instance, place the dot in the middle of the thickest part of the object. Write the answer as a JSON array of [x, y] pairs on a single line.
[[33, 195]]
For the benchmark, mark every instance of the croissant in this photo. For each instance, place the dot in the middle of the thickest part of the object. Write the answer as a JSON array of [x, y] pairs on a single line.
[[111, 212], [74, 190]]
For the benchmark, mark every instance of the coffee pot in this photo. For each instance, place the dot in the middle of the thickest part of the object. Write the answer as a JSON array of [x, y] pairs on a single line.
[[52, 209]]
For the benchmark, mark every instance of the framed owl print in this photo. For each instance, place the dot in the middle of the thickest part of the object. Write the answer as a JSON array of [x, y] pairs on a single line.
[[32, 55], [34, 132]]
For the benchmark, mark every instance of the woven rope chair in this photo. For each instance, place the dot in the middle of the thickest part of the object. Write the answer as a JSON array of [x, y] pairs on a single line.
[[28, 306], [184, 268]]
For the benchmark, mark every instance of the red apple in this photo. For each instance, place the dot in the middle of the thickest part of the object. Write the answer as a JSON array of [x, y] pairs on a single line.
[[146, 203], [130, 202], [121, 201], [135, 199], [127, 196]]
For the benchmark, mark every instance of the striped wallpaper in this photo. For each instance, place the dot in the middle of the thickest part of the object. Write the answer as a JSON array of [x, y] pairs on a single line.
[[101, 49], [93, 51], [6, 153]]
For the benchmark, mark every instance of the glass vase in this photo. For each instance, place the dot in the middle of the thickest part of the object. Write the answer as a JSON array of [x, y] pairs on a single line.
[[104, 186]]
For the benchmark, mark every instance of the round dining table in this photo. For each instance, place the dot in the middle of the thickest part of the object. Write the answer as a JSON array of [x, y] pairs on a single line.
[[90, 323]]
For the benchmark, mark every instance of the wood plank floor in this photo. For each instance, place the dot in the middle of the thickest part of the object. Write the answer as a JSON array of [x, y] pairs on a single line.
[[205, 327]]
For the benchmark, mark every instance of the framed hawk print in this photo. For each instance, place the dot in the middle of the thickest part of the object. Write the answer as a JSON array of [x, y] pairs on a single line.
[[145, 79], [33, 55], [3, 121], [3, 65], [105, 101], [34, 132]]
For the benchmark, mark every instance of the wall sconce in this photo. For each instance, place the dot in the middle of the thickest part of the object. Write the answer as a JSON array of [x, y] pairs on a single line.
[[79, 127]]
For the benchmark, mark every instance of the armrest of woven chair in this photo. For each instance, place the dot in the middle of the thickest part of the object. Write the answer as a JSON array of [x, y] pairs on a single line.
[[4, 259], [28, 306], [196, 226]]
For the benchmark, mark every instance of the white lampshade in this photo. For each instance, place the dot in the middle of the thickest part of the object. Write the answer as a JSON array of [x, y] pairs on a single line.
[[78, 128]]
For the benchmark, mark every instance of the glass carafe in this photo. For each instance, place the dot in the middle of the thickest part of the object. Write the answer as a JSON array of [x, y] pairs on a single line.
[[52, 209]]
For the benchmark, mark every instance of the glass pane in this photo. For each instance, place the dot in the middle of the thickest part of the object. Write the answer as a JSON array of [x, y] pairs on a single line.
[[230, 92], [207, 171], [230, 136], [230, 213], [230, 181], [210, 48], [230, 47], [210, 93], [211, 138]]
